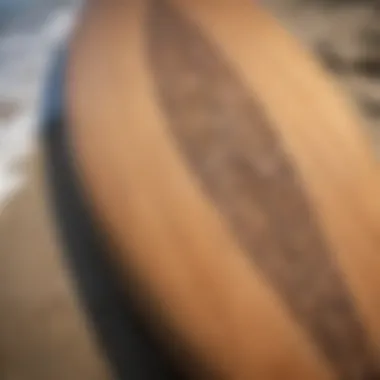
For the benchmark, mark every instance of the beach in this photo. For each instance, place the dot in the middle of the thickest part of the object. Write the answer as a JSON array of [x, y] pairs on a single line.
[[44, 334]]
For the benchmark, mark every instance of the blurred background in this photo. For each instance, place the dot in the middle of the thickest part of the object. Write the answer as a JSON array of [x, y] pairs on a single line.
[[30, 30], [43, 332]]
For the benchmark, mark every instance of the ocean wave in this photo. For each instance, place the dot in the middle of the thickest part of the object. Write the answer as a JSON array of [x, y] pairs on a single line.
[[24, 58]]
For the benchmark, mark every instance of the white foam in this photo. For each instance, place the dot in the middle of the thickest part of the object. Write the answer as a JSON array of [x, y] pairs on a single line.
[[16, 142], [23, 63]]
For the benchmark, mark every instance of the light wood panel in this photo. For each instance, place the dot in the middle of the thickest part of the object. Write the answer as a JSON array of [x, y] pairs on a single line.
[[236, 182]]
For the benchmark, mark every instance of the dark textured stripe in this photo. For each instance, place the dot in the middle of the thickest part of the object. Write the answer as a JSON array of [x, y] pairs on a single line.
[[368, 67], [370, 107], [331, 60], [244, 169]]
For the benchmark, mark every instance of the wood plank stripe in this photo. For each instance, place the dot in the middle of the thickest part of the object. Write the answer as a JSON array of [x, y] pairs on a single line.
[[225, 136]]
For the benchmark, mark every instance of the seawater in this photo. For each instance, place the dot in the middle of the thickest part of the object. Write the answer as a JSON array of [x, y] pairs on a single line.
[[29, 34]]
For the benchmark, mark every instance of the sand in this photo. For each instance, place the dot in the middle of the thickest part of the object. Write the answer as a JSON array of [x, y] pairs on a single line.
[[43, 332]]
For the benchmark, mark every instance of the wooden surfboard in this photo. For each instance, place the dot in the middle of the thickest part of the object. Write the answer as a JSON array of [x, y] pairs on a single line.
[[236, 183]]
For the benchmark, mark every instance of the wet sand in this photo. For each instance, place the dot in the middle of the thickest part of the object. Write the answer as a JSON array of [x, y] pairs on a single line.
[[43, 332]]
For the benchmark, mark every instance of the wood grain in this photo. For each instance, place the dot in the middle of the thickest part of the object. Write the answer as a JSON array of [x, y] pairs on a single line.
[[227, 138], [235, 181]]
